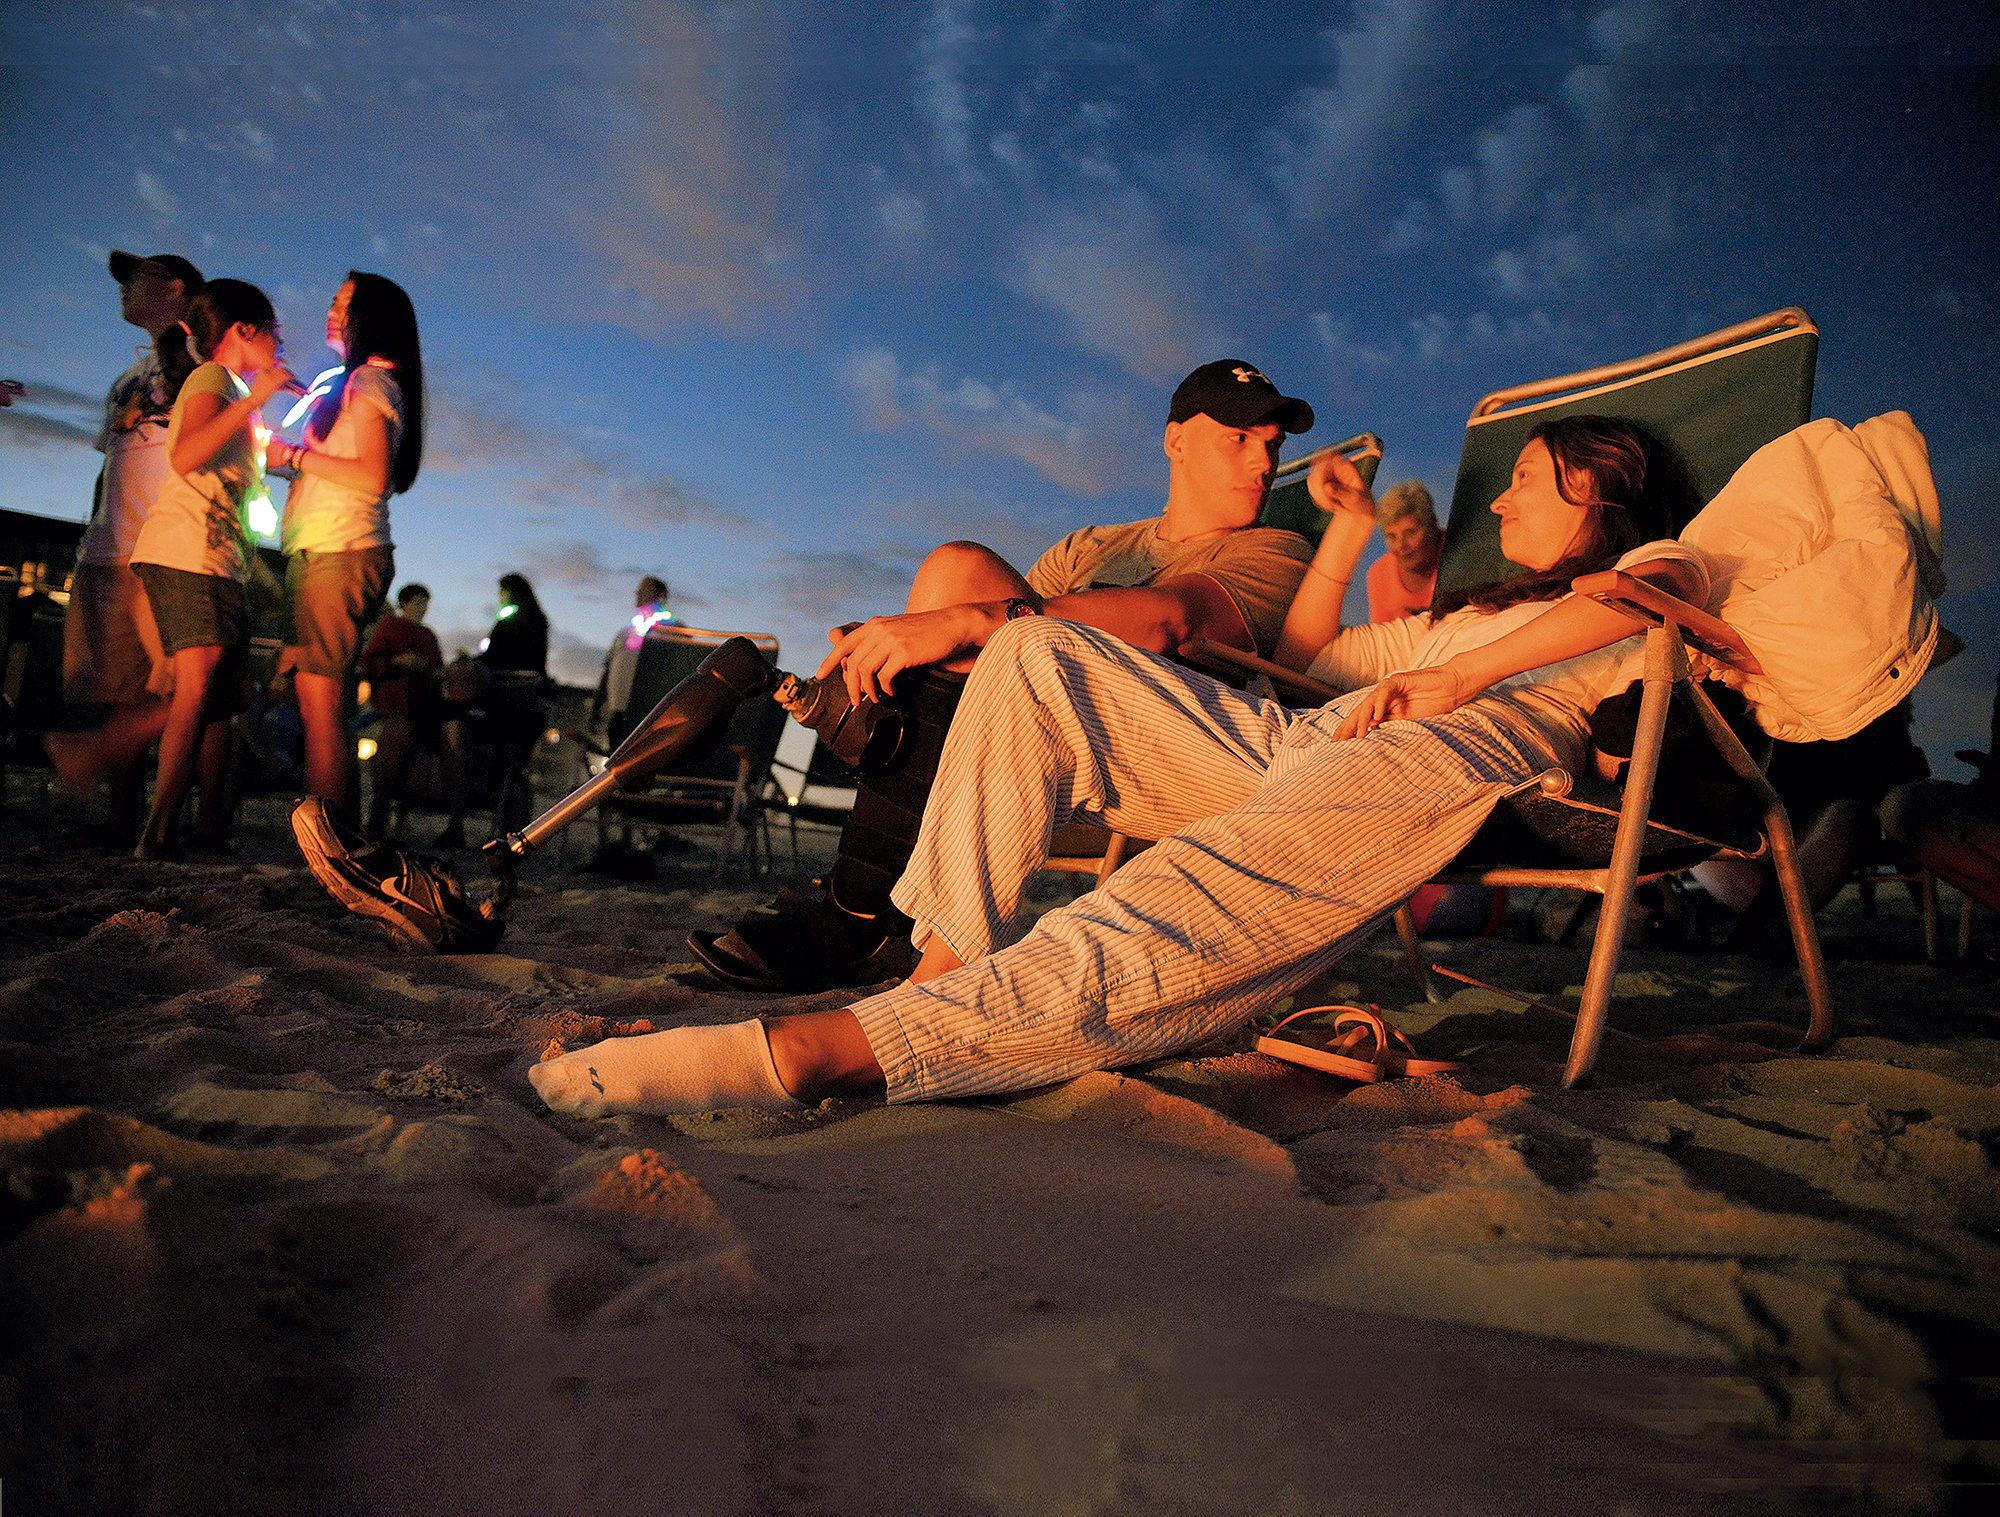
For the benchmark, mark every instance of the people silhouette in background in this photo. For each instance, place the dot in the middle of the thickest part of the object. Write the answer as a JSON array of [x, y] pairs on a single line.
[[1402, 581], [401, 664], [1951, 829], [500, 694], [608, 716]]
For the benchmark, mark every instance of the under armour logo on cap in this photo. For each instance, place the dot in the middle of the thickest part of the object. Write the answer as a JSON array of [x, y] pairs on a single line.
[[1237, 394]]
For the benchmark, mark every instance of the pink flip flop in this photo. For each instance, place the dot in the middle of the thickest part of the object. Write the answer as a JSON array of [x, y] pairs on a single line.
[[1370, 1050]]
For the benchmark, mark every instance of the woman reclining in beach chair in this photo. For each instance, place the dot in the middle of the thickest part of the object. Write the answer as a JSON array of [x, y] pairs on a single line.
[[1285, 836]]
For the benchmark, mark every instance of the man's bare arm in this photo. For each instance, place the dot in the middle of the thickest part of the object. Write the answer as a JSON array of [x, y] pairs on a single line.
[[1158, 618]]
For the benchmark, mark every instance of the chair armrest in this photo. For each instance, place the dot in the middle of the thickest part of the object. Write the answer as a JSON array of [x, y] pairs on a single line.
[[1205, 653], [1649, 604]]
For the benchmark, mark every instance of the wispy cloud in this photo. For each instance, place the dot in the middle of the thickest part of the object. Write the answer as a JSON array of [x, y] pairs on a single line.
[[1546, 265], [161, 201], [575, 660], [1336, 136], [694, 227], [831, 588], [1129, 290], [581, 565], [50, 416], [550, 472], [1436, 339], [27, 429], [1088, 443], [946, 44]]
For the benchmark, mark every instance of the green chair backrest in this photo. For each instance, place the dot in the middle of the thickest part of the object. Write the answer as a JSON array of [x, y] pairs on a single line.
[[1290, 505], [1717, 399], [670, 656]]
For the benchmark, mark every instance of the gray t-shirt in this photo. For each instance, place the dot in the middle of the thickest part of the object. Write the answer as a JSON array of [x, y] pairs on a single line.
[[1259, 568]]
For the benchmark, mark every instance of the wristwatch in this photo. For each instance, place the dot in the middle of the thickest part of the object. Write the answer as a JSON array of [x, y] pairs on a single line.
[[1018, 608]]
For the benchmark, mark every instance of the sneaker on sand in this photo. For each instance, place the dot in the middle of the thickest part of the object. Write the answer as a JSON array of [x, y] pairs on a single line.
[[419, 900]]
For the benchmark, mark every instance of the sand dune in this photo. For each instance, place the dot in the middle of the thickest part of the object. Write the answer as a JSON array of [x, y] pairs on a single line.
[[284, 1229]]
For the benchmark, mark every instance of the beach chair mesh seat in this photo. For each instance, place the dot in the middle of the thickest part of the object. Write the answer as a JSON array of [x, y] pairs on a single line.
[[717, 784]]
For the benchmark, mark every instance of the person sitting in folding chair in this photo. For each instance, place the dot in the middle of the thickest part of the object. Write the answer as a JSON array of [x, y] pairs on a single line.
[[1201, 569], [1286, 836]]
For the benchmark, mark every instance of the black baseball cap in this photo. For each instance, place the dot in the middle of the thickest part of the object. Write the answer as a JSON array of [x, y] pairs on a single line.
[[1237, 394], [125, 265]]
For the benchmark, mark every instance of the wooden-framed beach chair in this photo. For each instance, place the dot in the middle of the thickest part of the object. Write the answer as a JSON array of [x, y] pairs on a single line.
[[1717, 399]]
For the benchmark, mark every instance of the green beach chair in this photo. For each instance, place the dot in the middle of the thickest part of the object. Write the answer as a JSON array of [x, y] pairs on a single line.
[[1717, 399], [1290, 505]]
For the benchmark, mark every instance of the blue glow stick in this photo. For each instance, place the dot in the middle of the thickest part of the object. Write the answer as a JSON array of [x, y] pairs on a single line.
[[322, 382]]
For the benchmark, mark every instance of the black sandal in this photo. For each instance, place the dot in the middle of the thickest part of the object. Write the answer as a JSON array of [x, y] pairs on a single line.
[[806, 946]]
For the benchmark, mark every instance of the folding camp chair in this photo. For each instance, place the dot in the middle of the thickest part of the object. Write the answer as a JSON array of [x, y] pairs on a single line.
[[1084, 848], [719, 787], [820, 794], [1717, 399]]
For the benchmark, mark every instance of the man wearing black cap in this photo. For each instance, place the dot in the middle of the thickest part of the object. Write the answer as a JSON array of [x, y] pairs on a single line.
[[1201, 569], [110, 645]]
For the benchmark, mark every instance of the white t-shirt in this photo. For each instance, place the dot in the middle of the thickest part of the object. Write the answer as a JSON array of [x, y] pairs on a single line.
[[133, 441], [1551, 704], [323, 517], [197, 523]]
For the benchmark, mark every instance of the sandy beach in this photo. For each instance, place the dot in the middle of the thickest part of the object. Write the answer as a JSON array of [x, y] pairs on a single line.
[[284, 1229]]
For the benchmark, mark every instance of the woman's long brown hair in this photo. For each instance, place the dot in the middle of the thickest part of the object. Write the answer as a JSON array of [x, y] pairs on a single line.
[[1639, 487]]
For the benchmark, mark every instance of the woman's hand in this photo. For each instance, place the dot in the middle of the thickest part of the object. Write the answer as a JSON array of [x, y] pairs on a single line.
[[269, 382], [870, 655], [1409, 696], [1335, 485]]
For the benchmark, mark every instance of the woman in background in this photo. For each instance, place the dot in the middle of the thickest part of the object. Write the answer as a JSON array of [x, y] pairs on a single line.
[[191, 554], [364, 442], [509, 673]]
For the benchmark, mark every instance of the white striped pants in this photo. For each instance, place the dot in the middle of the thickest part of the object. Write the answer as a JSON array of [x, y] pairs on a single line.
[[1280, 849]]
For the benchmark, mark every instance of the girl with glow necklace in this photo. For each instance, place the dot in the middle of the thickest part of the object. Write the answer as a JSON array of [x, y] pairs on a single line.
[[191, 554], [364, 441]]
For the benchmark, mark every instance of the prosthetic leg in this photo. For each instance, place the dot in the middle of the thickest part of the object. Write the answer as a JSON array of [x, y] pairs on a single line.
[[425, 907]]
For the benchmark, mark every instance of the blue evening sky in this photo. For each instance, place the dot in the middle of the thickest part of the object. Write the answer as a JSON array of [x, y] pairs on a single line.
[[770, 298]]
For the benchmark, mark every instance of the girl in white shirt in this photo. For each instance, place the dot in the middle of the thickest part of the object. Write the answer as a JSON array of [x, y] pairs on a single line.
[[192, 552], [364, 442]]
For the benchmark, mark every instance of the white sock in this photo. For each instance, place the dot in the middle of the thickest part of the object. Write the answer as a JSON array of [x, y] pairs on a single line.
[[673, 1073]]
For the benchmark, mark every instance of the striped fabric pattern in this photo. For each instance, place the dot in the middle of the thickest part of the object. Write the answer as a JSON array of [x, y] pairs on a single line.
[[1281, 849]]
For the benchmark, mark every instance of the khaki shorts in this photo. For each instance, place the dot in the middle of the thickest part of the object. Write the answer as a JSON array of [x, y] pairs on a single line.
[[111, 645], [331, 597]]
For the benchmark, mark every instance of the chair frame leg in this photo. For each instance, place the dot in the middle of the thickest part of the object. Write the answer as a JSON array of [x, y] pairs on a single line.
[[1785, 862], [1413, 955], [1666, 662], [1799, 914]]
